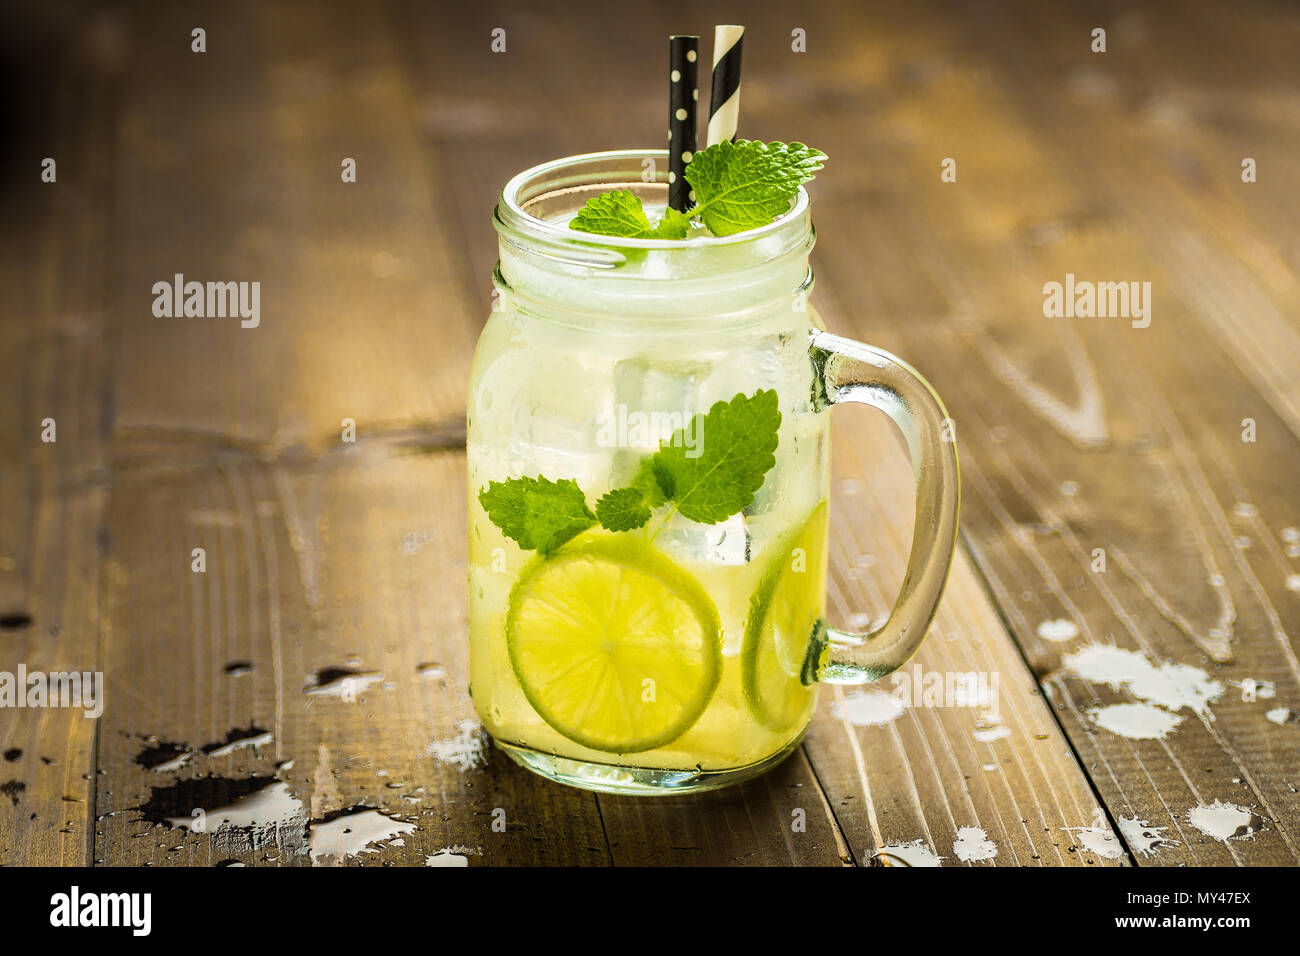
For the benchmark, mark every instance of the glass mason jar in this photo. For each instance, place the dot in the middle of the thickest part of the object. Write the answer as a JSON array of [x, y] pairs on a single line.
[[675, 655]]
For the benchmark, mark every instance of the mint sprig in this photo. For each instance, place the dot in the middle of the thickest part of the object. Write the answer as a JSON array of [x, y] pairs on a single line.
[[746, 184], [623, 509], [538, 513], [620, 213], [739, 439], [738, 186], [707, 481]]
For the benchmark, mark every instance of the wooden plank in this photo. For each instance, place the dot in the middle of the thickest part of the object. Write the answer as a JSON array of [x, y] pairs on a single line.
[[1075, 434], [333, 564], [53, 365], [231, 171], [980, 776], [312, 566], [780, 819], [1088, 433]]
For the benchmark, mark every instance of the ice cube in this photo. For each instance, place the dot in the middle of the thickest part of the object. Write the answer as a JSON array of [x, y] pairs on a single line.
[[727, 542]]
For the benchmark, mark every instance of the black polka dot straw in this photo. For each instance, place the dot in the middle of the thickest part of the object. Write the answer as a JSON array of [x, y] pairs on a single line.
[[683, 91]]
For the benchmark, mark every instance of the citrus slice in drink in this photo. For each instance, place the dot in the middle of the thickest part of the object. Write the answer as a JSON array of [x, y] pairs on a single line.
[[614, 645], [783, 614]]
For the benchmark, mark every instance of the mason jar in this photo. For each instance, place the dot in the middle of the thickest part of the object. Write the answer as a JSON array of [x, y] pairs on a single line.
[[684, 652]]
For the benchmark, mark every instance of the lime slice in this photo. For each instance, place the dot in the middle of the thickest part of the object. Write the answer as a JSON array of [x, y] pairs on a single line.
[[615, 646], [783, 613]]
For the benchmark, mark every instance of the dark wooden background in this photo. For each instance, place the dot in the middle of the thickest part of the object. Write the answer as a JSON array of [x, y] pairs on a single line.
[[1075, 434]]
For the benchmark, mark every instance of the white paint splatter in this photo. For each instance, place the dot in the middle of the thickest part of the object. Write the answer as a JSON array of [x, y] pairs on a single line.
[[272, 815], [1058, 630], [1135, 721], [1293, 582], [253, 740], [1225, 821], [1164, 689], [465, 751], [1098, 840], [986, 735], [347, 686], [916, 853], [167, 766], [1282, 715], [1254, 689], [973, 844], [444, 858], [456, 855], [1142, 838], [431, 671], [1170, 685], [353, 833]]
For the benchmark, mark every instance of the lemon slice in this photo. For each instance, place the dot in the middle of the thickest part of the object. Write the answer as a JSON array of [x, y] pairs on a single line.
[[615, 646], [783, 614]]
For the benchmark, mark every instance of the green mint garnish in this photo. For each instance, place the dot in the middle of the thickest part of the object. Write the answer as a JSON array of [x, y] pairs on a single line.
[[674, 225], [746, 184], [620, 213], [622, 510], [538, 513], [646, 482], [739, 439], [707, 481], [738, 186]]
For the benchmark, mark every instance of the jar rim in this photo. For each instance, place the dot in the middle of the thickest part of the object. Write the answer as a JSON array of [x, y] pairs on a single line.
[[511, 216]]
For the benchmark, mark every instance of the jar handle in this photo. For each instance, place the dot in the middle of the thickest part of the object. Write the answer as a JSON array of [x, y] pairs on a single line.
[[849, 371]]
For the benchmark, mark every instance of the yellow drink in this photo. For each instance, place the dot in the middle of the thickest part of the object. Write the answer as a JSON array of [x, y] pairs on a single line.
[[648, 456]]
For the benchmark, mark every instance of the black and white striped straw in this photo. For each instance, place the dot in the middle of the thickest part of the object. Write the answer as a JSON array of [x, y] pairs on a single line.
[[683, 92], [724, 102]]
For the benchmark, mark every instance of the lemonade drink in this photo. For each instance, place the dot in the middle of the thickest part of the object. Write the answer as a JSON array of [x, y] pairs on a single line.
[[679, 654]]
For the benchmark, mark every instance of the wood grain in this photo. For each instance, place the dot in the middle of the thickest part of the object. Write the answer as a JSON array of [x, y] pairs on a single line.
[[325, 557], [54, 365], [351, 562], [955, 772], [231, 171], [1089, 433]]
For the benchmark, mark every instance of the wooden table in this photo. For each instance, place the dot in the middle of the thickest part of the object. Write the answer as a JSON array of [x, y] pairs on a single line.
[[1111, 496]]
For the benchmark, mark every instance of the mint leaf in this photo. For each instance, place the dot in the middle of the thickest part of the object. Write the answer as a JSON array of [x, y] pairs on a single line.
[[620, 213], [674, 225], [538, 513], [737, 442], [746, 184], [615, 213], [648, 484], [738, 186], [622, 510]]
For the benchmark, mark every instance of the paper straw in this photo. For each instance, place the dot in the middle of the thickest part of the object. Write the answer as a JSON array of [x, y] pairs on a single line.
[[724, 102], [683, 91]]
